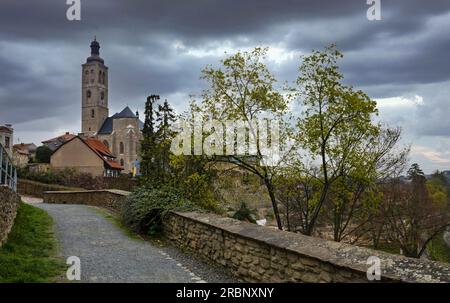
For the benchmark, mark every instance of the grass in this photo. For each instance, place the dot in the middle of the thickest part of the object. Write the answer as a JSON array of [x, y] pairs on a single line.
[[438, 249], [29, 255]]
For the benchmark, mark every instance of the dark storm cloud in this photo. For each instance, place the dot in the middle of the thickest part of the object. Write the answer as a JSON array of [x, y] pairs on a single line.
[[160, 46]]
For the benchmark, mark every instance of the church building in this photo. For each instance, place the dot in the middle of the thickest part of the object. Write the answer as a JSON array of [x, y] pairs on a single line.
[[122, 132]]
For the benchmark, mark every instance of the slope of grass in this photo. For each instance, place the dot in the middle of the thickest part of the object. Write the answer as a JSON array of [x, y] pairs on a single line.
[[438, 249], [29, 253]]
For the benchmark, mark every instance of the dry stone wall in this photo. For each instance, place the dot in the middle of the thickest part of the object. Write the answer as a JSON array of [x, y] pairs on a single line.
[[111, 199], [9, 202], [262, 254]]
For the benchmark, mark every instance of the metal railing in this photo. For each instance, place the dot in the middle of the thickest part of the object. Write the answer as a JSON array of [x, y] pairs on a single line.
[[8, 172]]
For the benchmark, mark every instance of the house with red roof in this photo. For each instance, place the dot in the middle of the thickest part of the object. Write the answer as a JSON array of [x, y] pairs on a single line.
[[56, 142], [86, 155]]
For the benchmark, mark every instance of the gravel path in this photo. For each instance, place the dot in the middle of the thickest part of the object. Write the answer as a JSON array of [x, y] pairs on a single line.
[[107, 254]]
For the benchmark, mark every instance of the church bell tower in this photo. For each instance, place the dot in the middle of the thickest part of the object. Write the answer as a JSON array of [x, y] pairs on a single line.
[[94, 92]]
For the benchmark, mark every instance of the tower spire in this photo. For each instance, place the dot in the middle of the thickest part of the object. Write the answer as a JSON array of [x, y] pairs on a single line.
[[95, 47]]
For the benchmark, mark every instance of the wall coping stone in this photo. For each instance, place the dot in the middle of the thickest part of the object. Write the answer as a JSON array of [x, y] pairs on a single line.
[[393, 267], [113, 191]]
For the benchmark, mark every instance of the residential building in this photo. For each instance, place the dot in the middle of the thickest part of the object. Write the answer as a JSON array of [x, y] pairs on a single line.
[[86, 155], [6, 138]]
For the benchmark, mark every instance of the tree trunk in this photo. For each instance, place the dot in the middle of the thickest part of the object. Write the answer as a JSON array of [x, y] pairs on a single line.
[[276, 212]]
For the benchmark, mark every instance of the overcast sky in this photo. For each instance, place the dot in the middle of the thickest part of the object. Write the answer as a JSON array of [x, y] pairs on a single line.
[[402, 61]]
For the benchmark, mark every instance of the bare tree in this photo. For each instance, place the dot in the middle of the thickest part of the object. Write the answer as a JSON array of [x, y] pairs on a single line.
[[412, 218]]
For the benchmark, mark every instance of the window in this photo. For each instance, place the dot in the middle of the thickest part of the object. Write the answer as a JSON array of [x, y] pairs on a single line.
[[104, 78], [99, 76], [7, 142], [92, 113], [121, 162], [88, 94], [106, 144], [121, 148], [102, 95]]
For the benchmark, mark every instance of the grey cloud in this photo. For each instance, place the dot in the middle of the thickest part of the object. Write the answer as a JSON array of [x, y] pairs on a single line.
[[41, 52]]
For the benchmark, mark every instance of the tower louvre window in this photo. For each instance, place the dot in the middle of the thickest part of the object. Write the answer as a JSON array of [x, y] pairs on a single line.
[[92, 113]]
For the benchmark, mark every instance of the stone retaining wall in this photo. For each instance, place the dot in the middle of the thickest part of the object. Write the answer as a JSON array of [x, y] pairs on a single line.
[[37, 189], [9, 202], [261, 254], [111, 199]]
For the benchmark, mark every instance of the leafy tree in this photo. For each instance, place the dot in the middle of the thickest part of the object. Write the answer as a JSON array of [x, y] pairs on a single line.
[[438, 187], [348, 151], [148, 144], [415, 172], [43, 154], [164, 134], [242, 88]]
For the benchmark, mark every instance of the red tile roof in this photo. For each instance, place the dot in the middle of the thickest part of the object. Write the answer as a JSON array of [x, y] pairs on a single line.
[[103, 152], [98, 147], [66, 137]]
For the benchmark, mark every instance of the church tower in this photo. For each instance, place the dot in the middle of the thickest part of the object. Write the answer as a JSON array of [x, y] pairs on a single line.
[[94, 92]]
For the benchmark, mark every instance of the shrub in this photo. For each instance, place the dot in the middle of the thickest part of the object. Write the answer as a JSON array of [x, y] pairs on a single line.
[[146, 208], [244, 214]]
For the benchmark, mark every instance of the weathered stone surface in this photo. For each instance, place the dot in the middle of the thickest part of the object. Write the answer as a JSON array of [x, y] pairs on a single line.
[[261, 254], [111, 199], [37, 189], [9, 202]]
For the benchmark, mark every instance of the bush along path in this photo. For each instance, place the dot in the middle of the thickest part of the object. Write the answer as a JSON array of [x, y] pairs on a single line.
[[108, 254]]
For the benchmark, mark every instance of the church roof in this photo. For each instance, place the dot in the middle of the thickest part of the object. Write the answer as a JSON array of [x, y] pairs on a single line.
[[125, 113], [107, 126]]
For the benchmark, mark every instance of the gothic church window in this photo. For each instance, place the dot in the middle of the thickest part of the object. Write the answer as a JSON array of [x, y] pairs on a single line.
[[121, 148], [92, 113], [121, 162], [88, 94]]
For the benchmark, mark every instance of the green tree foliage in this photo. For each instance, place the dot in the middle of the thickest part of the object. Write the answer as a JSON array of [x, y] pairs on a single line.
[[349, 152], [43, 154], [438, 187], [164, 134], [243, 88], [146, 207], [148, 144]]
